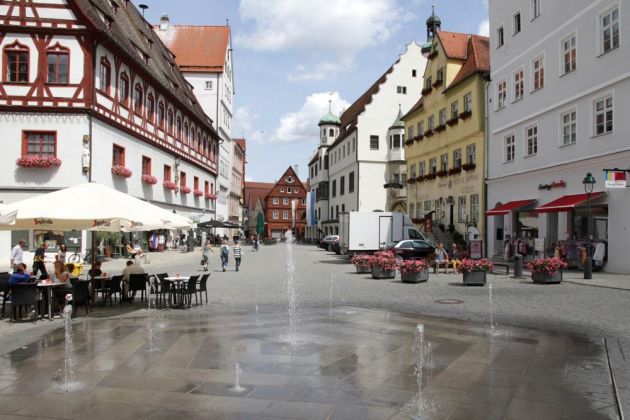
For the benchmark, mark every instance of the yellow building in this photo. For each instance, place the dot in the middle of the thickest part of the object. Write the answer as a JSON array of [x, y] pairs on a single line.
[[445, 134]]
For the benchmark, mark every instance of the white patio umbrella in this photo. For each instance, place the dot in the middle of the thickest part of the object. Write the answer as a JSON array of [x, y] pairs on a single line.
[[90, 206], [6, 217]]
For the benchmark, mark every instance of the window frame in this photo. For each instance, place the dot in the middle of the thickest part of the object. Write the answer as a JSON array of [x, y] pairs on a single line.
[[530, 150], [285, 214], [41, 133], [285, 201], [600, 28], [573, 124], [515, 23], [146, 165], [457, 158], [275, 200], [150, 108], [468, 102], [372, 139], [461, 208], [138, 101], [563, 53], [512, 146], [455, 109], [474, 208], [501, 94], [16, 48], [472, 147], [351, 182], [57, 50], [167, 173], [105, 66], [602, 97], [541, 70], [118, 159], [276, 215], [500, 36], [518, 84], [534, 9], [123, 78]]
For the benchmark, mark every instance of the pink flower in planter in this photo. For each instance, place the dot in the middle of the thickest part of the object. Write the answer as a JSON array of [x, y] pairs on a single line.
[[549, 266], [210, 196], [37, 162], [185, 190], [385, 260], [149, 179], [169, 185], [197, 193], [469, 265], [412, 266], [362, 260], [121, 171]]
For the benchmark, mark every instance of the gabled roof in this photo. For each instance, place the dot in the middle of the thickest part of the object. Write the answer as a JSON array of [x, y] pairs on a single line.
[[241, 143], [133, 37], [477, 59], [197, 48], [255, 191], [455, 45]]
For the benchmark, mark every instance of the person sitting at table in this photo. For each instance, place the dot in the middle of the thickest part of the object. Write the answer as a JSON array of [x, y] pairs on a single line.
[[95, 271], [19, 275], [61, 275], [130, 269]]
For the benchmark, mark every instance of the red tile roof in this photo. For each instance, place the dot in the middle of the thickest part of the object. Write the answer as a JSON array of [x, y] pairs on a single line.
[[477, 59], [255, 191], [197, 48], [241, 143], [455, 44]]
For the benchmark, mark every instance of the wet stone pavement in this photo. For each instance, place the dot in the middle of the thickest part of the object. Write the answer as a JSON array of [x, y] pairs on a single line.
[[349, 363]]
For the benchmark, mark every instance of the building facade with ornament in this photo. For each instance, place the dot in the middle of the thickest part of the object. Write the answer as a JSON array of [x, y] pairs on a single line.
[[560, 86], [285, 206], [237, 184], [89, 93], [446, 137], [358, 155], [204, 55]]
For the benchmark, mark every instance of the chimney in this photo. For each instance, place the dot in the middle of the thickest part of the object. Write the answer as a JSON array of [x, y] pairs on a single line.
[[164, 23]]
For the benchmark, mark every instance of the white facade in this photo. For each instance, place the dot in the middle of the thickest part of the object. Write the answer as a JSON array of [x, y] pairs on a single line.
[[551, 117], [363, 155]]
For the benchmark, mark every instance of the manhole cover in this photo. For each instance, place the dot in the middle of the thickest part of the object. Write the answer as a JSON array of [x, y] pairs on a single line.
[[449, 301]]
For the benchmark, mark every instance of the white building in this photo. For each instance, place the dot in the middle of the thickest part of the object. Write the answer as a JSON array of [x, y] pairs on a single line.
[[90, 93], [358, 158], [204, 55], [560, 85]]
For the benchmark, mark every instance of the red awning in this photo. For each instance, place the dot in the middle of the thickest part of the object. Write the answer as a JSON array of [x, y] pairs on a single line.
[[503, 209], [567, 202]]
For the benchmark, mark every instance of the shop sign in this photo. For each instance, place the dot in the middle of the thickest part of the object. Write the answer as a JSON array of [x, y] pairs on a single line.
[[553, 185], [539, 245], [615, 179], [476, 252]]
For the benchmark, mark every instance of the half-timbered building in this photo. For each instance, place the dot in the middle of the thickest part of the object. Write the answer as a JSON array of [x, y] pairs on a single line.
[[89, 92]]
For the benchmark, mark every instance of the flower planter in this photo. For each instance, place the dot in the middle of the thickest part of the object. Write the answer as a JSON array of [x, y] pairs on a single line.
[[546, 278], [378, 273], [149, 180], [197, 193], [185, 190], [363, 269], [37, 162], [474, 278], [417, 277], [121, 171], [170, 185]]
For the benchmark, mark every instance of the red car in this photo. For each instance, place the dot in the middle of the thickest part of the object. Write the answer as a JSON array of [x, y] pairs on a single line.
[[412, 249]]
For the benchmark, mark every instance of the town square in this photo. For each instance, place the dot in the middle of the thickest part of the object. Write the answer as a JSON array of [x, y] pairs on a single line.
[[368, 209]]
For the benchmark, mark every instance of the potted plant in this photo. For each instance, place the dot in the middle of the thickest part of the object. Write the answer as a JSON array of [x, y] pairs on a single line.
[[210, 196], [185, 190], [547, 270], [197, 193], [474, 271], [121, 171], [362, 262], [170, 185], [149, 179], [384, 265], [468, 166], [413, 271]]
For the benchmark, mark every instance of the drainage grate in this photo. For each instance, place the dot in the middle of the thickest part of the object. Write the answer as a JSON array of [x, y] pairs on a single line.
[[449, 301]]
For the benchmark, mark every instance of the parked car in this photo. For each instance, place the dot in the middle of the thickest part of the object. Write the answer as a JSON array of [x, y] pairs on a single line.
[[325, 243], [335, 246], [412, 248]]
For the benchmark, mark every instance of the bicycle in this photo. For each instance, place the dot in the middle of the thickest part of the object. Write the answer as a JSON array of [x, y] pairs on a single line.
[[77, 257]]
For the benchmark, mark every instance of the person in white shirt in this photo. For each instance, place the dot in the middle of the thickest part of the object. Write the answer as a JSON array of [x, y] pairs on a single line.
[[17, 254], [130, 269]]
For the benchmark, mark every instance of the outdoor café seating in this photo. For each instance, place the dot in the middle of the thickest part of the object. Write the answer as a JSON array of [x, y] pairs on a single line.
[[4, 290], [23, 296]]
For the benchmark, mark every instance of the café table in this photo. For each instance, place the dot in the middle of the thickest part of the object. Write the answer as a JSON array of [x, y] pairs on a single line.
[[47, 286], [179, 283]]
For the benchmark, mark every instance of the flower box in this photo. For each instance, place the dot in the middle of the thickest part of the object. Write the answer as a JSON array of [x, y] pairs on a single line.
[[210, 196], [417, 277], [409, 142], [121, 171], [545, 278], [469, 166], [426, 91], [453, 121], [169, 185], [362, 262], [430, 177], [379, 273], [37, 162], [419, 137], [442, 174], [421, 178], [432, 55], [465, 114], [455, 170], [149, 179], [185, 190], [474, 278], [429, 133], [197, 193], [411, 181], [438, 83], [440, 128]]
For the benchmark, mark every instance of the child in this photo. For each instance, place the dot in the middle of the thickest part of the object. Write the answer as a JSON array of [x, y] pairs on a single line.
[[237, 254], [225, 253]]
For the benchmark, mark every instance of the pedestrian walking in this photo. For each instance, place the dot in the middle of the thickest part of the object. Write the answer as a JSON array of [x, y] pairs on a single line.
[[38, 261], [225, 254], [17, 255], [237, 254], [205, 256], [255, 243]]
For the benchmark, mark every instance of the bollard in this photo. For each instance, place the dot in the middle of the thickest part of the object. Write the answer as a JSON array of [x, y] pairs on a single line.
[[518, 266]]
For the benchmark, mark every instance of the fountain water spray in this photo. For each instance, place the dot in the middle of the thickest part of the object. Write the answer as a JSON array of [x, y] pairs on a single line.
[[150, 316], [68, 361], [330, 299], [420, 359], [237, 379], [492, 326], [291, 291]]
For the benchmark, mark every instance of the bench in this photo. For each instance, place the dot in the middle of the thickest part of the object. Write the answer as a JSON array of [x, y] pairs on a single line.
[[438, 264], [502, 265]]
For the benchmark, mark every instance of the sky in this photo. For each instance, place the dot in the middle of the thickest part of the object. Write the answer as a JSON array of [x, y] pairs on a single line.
[[292, 56]]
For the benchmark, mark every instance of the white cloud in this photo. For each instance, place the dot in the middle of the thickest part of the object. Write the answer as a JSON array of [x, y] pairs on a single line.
[[484, 28], [245, 124], [328, 33], [301, 125]]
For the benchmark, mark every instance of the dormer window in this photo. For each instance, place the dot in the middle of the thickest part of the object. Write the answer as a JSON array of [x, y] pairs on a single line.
[[123, 89], [57, 59], [138, 97], [16, 57]]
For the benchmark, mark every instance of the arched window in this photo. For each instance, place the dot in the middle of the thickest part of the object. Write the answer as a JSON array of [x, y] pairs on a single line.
[[185, 133], [16, 58], [58, 60], [161, 115], [150, 107], [204, 148], [138, 99], [105, 74], [123, 89], [331, 132], [192, 136], [169, 122], [179, 129]]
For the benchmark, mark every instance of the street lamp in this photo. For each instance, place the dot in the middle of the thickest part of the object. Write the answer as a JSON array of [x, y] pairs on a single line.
[[589, 182]]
